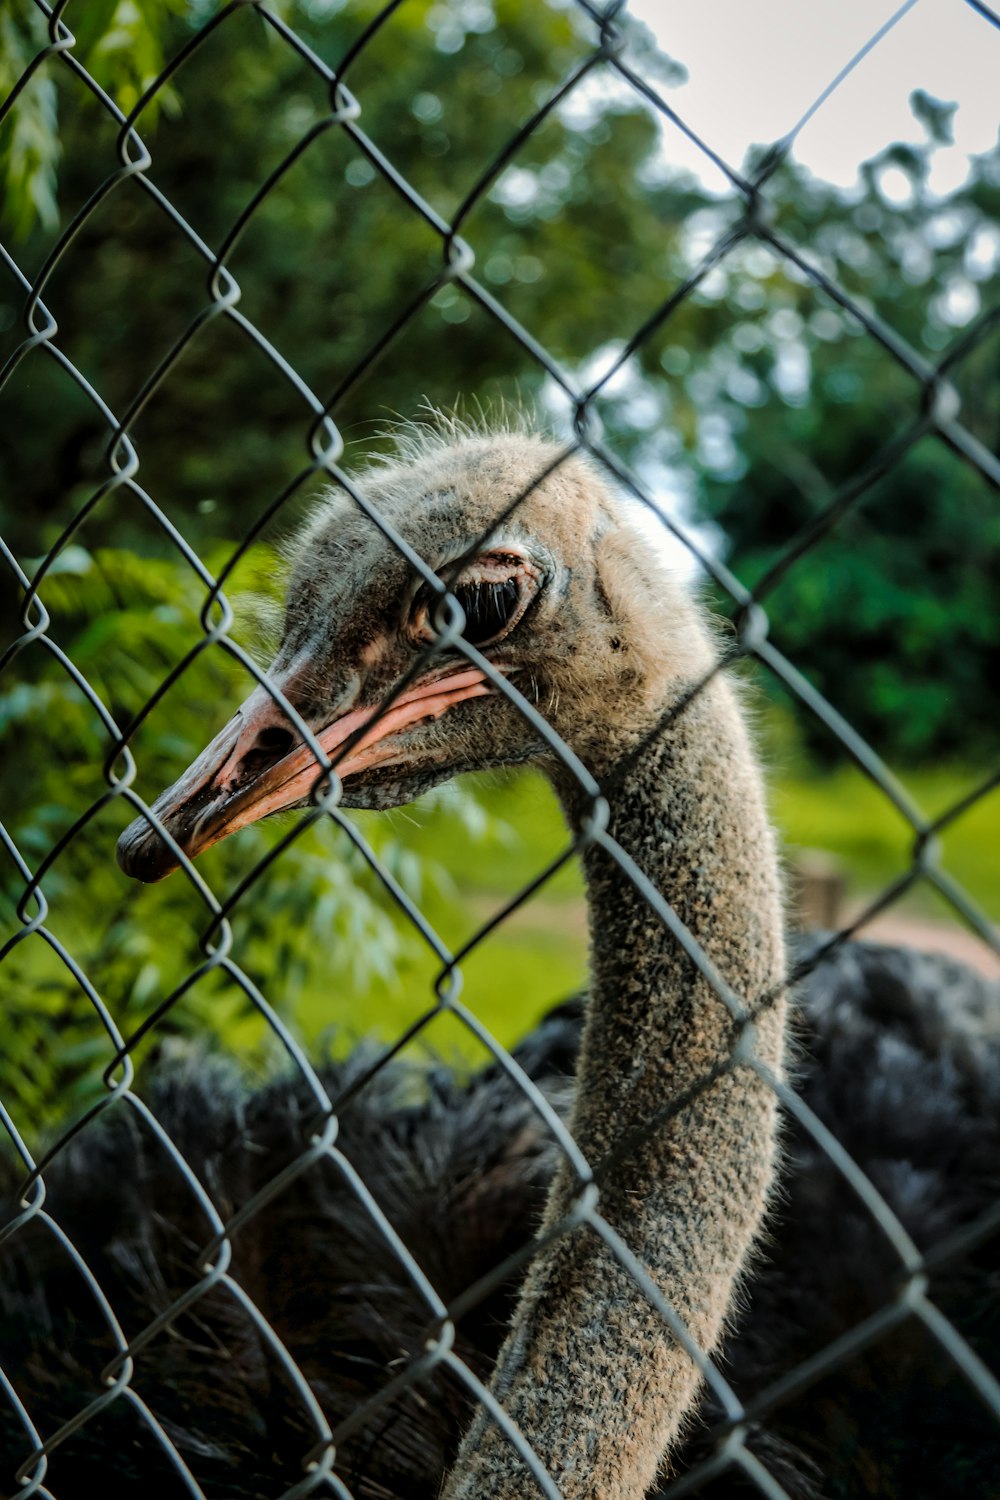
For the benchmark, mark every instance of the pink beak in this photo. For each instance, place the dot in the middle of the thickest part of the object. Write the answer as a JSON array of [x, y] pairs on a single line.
[[258, 765]]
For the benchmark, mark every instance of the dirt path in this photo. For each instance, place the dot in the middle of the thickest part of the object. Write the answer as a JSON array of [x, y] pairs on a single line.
[[908, 929]]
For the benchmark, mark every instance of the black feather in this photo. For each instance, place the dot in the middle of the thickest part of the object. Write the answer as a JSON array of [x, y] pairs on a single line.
[[900, 1057]]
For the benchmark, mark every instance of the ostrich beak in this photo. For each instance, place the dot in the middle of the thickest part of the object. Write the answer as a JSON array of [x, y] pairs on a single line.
[[259, 765]]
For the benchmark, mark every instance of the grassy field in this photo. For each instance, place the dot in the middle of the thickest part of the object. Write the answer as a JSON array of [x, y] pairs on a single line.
[[533, 959], [847, 815], [537, 956]]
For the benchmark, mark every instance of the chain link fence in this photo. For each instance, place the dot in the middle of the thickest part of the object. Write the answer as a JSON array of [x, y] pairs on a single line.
[[127, 1410]]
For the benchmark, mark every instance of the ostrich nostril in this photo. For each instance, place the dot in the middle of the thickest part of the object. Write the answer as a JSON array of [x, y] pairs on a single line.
[[275, 738], [271, 745]]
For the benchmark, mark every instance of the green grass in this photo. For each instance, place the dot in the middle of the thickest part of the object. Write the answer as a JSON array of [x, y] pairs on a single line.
[[538, 954], [536, 957], [848, 816]]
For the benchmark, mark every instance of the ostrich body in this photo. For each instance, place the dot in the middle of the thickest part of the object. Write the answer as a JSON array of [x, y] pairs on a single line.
[[898, 1054], [672, 1106]]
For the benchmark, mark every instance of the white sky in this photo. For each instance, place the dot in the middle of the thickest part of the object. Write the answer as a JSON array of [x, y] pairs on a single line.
[[755, 66]]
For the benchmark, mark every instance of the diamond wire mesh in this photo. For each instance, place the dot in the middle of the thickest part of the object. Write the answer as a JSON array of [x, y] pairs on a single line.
[[936, 409]]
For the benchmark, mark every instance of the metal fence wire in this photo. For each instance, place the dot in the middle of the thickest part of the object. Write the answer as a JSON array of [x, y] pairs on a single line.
[[39, 1447]]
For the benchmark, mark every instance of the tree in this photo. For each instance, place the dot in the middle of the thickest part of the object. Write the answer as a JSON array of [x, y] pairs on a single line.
[[758, 396], [890, 613], [226, 432], [569, 240]]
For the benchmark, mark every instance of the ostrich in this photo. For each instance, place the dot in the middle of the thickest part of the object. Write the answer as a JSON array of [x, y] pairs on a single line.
[[673, 1057]]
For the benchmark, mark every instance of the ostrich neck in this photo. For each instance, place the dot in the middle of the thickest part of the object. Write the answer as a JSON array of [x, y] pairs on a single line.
[[589, 1371]]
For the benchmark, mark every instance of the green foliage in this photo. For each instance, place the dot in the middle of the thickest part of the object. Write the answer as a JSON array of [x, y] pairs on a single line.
[[758, 397], [569, 238], [890, 613], [120, 43], [29, 145], [318, 935]]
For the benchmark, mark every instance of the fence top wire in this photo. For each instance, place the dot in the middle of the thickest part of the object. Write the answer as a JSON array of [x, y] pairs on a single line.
[[312, 1163]]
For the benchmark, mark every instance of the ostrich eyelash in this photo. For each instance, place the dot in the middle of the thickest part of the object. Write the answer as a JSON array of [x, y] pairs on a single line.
[[488, 609], [493, 601]]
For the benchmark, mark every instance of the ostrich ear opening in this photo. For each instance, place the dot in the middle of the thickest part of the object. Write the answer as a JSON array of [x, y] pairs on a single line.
[[661, 626]]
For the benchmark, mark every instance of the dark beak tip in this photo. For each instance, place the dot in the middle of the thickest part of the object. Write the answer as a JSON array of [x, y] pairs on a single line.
[[142, 854]]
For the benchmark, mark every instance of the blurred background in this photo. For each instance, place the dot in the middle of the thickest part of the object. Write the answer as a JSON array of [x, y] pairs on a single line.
[[742, 414]]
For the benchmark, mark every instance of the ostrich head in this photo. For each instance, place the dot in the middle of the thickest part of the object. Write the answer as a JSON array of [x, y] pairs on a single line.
[[565, 598], [571, 611]]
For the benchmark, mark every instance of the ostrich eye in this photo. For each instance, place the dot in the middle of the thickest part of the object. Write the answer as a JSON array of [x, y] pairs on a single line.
[[494, 593], [488, 607]]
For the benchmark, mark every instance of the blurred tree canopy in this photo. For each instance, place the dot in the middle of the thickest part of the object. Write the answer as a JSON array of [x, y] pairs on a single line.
[[320, 937], [755, 401], [889, 613], [758, 394]]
